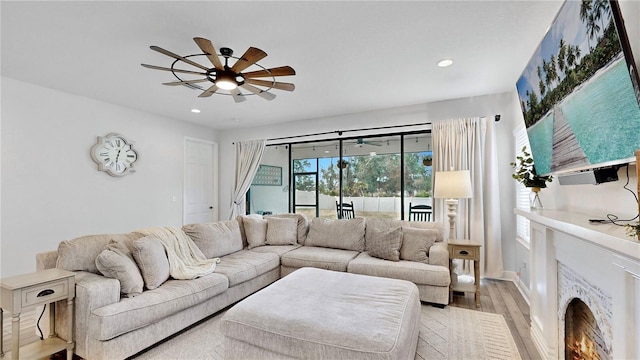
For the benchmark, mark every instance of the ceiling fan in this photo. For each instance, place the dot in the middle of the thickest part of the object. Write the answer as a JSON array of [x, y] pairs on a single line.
[[225, 76], [361, 142]]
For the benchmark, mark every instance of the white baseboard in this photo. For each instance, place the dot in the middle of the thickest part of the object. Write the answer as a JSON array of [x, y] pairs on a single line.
[[513, 277]]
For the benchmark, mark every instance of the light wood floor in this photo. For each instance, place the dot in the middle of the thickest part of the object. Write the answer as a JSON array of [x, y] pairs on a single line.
[[502, 297]]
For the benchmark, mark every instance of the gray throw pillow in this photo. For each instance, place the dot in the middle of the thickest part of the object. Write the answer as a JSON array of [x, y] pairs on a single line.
[[416, 244], [152, 260], [116, 262], [282, 231], [256, 231], [216, 239], [385, 243]]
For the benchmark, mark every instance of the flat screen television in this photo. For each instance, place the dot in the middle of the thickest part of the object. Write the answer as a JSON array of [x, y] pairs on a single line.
[[579, 93]]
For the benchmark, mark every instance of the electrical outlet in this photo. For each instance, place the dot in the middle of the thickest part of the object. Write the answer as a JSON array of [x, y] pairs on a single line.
[[524, 265]]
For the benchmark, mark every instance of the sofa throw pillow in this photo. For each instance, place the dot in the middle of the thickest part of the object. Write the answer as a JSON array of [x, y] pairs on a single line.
[[416, 244], [152, 260], [282, 231], [303, 224], [256, 230], [116, 261], [337, 234], [80, 253], [216, 239], [435, 225], [243, 234], [385, 243]]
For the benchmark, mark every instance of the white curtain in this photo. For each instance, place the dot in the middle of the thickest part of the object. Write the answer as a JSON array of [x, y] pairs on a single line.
[[248, 157], [469, 144]]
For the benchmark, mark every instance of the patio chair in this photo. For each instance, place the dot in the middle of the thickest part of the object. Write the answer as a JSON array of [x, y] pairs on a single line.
[[345, 210]]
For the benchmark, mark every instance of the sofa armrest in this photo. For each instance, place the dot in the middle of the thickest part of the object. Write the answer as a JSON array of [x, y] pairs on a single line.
[[93, 291], [439, 254], [46, 260]]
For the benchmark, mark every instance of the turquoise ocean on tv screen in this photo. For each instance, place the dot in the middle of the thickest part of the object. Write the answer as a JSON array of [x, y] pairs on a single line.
[[604, 116]]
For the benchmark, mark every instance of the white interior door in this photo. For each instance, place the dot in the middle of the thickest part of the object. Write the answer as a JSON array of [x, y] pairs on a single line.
[[200, 181]]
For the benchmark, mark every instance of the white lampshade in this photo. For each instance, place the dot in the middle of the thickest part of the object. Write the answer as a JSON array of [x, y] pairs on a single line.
[[452, 185]]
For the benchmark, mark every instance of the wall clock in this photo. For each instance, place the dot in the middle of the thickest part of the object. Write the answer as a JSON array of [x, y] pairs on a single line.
[[114, 155]]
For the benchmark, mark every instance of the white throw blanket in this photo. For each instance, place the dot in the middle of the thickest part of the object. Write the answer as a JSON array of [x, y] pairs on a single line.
[[186, 260]]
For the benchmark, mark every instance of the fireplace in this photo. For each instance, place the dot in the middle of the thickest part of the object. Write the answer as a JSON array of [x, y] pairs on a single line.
[[583, 337], [573, 262], [584, 317]]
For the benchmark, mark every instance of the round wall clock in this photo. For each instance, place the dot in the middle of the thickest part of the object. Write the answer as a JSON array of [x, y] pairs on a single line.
[[114, 155]]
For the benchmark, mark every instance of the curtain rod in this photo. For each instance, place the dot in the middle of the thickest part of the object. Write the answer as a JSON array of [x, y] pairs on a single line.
[[340, 132]]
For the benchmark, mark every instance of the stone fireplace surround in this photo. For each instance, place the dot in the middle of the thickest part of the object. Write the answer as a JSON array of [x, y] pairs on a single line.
[[598, 264]]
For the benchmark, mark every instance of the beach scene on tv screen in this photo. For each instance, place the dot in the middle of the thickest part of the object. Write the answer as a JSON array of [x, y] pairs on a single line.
[[576, 94]]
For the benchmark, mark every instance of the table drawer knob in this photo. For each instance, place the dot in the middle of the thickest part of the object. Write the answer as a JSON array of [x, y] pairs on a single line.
[[45, 292], [464, 252]]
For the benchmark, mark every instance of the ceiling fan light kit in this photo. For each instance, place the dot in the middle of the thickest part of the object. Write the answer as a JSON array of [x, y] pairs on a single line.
[[224, 77]]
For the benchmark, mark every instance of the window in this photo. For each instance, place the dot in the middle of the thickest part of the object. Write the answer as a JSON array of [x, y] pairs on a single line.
[[522, 193]]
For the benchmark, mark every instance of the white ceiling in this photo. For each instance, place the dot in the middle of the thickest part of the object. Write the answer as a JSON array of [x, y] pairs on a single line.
[[349, 56]]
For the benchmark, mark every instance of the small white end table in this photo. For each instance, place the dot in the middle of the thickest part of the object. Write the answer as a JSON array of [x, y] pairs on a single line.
[[24, 292]]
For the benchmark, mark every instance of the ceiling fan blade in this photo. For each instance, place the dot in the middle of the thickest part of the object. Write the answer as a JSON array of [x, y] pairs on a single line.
[[272, 84], [237, 95], [207, 47], [173, 70], [279, 71], [176, 56], [261, 93], [186, 82], [250, 57], [209, 91]]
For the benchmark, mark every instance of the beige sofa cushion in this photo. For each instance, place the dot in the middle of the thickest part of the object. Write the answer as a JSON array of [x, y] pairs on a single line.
[[416, 244], [318, 257], [152, 260], [245, 265], [216, 239], [303, 224], [80, 253], [337, 234], [116, 261], [282, 231], [416, 272], [151, 306]]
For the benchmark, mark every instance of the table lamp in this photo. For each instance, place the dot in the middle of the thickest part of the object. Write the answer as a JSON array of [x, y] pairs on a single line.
[[452, 185]]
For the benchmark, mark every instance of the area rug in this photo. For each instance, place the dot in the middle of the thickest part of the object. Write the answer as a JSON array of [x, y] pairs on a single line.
[[449, 333]]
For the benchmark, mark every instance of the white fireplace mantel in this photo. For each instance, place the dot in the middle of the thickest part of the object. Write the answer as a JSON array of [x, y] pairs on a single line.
[[603, 256]]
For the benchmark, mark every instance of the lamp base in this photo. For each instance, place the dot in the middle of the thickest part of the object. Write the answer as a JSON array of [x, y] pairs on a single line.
[[452, 205]]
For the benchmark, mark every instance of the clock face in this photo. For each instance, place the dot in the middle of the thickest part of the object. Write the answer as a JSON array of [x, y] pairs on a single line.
[[114, 155]]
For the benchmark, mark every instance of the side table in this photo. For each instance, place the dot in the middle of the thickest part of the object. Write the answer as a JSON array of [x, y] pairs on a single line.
[[24, 292], [465, 250]]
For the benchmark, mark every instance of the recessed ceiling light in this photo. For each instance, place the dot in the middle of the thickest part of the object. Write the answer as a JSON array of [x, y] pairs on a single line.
[[445, 62], [195, 111], [326, 151]]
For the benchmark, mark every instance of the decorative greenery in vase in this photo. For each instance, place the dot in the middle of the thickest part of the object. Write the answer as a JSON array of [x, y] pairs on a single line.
[[633, 230], [526, 172]]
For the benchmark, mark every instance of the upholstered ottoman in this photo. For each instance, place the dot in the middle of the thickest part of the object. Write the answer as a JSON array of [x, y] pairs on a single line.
[[322, 314]]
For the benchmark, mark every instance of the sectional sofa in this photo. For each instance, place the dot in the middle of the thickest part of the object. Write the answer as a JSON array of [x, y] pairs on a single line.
[[126, 299]]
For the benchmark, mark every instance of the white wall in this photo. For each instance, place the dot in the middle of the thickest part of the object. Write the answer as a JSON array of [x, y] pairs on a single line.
[[51, 189]]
